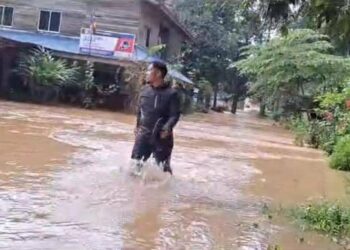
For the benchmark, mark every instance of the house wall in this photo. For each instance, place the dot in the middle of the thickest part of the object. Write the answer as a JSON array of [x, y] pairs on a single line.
[[117, 15], [127, 16], [150, 20]]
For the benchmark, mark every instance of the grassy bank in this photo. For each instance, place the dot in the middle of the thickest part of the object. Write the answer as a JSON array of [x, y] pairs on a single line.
[[324, 217]]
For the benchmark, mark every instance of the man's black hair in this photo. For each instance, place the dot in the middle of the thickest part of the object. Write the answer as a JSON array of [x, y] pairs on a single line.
[[161, 67]]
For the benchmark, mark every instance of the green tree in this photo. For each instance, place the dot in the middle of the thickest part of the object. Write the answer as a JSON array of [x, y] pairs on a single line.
[[277, 14], [83, 75], [300, 65], [333, 18], [219, 28]]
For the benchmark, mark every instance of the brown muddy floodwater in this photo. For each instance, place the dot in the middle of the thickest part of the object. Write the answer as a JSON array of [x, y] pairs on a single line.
[[64, 184]]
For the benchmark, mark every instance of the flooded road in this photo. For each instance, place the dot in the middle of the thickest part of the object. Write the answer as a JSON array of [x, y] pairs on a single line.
[[64, 183]]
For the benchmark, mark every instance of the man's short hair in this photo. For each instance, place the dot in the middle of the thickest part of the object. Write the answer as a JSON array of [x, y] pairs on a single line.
[[161, 67]]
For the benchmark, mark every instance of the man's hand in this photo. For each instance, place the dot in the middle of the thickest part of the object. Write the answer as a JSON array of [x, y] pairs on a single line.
[[164, 134]]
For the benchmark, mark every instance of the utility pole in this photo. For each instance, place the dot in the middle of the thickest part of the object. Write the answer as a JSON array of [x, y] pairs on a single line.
[[92, 27]]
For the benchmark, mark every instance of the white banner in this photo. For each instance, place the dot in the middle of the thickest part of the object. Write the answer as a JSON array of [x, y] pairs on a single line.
[[107, 44]]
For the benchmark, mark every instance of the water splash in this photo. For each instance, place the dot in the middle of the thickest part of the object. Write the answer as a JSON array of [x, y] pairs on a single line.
[[150, 172]]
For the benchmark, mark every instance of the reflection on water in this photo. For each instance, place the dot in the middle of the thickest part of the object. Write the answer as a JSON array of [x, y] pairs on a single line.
[[65, 184]]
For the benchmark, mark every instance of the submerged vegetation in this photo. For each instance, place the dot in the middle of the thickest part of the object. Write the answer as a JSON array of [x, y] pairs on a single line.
[[330, 219]]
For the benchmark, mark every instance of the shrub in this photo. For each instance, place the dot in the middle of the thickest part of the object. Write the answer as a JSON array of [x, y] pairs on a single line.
[[300, 128], [340, 159], [322, 135], [276, 116], [331, 219], [42, 68]]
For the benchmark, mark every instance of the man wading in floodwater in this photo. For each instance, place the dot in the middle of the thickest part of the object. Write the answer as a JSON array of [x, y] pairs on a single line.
[[158, 113]]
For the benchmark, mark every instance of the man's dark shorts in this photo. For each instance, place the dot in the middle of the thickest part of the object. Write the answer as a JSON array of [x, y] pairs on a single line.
[[145, 145]]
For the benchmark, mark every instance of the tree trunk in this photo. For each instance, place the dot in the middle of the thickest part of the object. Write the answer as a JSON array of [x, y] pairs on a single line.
[[200, 98], [235, 100], [347, 52], [276, 105], [262, 111], [301, 87], [215, 96], [207, 102]]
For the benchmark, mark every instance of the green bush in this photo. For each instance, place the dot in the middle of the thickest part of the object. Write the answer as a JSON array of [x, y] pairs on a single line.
[[331, 219], [318, 134], [40, 67], [322, 135], [340, 159], [300, 128]]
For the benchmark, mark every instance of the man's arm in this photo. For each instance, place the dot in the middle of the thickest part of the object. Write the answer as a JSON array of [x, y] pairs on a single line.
[[138, 117], [174, 112]]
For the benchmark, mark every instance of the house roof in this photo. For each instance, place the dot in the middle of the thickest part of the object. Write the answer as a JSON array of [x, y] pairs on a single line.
[[172, 17], [70, 45]]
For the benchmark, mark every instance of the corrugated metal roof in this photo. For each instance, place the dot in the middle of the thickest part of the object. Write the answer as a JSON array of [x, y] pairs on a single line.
[[70, 45], [57, 42]]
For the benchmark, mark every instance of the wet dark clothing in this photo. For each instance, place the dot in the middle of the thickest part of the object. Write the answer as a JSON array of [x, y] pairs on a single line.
[[159, 110]]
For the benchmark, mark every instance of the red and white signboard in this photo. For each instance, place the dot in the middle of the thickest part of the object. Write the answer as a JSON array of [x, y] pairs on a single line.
[[118, 45]]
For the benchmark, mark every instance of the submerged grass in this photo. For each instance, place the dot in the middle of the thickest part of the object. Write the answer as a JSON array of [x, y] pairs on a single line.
[[329, 218]]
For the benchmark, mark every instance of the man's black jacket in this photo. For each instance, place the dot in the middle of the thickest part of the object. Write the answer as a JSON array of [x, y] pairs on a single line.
[[159, 108]]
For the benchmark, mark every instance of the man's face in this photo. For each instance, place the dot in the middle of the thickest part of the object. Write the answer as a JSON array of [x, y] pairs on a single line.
[[152, 74]]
